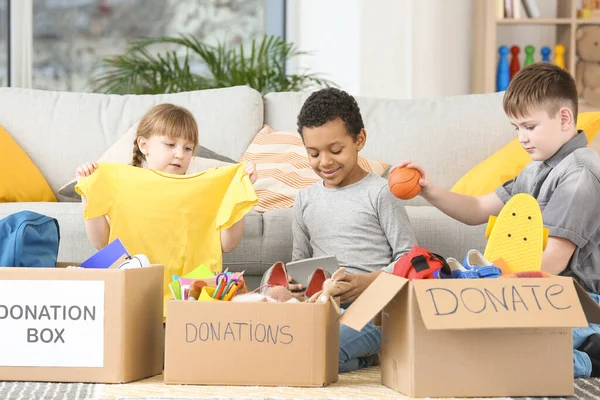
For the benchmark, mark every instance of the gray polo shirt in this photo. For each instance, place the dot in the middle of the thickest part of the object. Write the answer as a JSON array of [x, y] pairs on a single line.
[[567, 188]]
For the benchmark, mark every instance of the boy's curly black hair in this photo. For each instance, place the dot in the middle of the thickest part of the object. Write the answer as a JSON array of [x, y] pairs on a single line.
[[327, 105]]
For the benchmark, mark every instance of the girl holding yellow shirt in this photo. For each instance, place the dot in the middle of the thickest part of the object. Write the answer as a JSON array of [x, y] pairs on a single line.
[[167, 137]]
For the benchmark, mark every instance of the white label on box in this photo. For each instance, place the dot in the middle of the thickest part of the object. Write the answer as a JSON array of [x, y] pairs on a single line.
[[51, 323]]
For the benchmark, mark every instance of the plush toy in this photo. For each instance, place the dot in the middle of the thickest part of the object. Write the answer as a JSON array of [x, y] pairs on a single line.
[[250, 298], [280, 294], [275, 294], [332, 288], [587, 73]]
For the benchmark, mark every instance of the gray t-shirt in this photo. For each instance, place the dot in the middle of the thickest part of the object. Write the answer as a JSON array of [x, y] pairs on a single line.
[[567, 188], [362, 224]]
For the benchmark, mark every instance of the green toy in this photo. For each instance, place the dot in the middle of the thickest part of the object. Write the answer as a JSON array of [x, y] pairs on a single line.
[[529, 51]]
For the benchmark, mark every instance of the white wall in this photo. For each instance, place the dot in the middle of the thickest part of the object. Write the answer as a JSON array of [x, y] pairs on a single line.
[[386, 41], [334, 54], [386, 48], [442, 43]]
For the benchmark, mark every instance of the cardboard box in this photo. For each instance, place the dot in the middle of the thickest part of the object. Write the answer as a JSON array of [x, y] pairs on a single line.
[[81, 325], [266, 344], [476, 337]]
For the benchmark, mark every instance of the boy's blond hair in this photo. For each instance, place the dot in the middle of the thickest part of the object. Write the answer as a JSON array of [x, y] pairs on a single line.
[[541, 84], [165, 120]]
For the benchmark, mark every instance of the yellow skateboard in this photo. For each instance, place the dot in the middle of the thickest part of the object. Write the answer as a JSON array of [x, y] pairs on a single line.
[[517, 235]]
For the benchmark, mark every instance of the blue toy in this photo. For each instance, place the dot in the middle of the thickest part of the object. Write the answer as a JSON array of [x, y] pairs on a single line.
[[503, 74], [545, 53]]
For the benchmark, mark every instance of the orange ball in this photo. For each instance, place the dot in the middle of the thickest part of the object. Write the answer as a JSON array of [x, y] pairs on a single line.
[[404, 183]]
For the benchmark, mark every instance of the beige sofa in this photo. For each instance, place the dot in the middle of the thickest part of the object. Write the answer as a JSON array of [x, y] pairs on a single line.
[[449, 136]]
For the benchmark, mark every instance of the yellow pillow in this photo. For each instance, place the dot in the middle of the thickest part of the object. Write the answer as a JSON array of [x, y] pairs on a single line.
[[20, 180], [508, 162]]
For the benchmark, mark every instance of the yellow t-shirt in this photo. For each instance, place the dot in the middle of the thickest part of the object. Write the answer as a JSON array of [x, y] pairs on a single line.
[[175, 220]]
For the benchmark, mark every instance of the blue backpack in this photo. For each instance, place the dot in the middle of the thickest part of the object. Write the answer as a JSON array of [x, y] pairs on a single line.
[[28, 239]]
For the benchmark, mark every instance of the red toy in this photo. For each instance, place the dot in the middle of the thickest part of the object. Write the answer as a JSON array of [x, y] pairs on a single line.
[[515, 65], [419, 263]]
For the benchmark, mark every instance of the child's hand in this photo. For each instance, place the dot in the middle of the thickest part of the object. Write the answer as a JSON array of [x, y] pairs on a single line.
[[296, 289], [359, 282], [251, 171], [424, 181], [85, 170]]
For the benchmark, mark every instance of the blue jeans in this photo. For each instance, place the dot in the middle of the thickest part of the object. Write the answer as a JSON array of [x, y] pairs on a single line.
[[582, 365], [359, 349]]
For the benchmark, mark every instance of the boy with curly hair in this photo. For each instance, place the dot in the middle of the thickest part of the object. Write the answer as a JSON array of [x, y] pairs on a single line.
[[350, 213]]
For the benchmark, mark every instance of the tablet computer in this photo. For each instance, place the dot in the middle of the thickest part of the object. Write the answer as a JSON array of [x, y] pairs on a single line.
[[301, 270]]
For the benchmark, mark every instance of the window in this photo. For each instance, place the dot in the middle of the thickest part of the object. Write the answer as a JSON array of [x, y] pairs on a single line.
[[70, 37], [4, 60]]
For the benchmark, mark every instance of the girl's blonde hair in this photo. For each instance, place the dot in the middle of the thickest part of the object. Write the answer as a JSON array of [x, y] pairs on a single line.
[[165, 120]]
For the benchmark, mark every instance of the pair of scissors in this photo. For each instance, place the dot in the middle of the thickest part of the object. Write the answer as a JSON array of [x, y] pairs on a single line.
[[221, 282]]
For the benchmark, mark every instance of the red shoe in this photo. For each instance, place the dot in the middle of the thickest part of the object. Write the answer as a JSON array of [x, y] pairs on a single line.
[[315, 283], [275, 276]]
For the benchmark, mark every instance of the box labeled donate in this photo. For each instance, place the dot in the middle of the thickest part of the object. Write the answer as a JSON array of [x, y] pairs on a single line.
[[476, 337], [267, 344], [80, 325]]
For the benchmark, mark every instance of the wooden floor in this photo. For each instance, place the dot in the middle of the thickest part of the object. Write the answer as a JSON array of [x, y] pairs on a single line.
[[363, 384]]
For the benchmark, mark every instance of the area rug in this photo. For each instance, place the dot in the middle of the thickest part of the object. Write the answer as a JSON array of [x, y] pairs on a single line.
[[364, 384]]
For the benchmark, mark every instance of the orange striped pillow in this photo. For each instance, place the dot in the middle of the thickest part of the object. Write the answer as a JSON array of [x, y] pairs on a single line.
[[283, 168]]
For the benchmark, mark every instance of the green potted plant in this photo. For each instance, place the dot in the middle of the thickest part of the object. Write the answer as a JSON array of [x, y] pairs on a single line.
[[260, 66]]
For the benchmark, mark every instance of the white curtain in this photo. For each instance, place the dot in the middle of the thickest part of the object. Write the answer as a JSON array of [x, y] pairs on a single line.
[[21, 42]]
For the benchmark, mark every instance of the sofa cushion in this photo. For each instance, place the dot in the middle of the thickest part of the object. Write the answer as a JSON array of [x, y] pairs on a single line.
[[277, 237], [203, 152], [61, 130], [283, 168], [247, 255], [510, 160], [20, 180]]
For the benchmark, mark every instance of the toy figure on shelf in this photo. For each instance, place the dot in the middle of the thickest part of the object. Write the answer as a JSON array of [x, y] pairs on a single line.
[[503, 73], [515, 65], [559, 55], [545, 51], [529, 52]]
